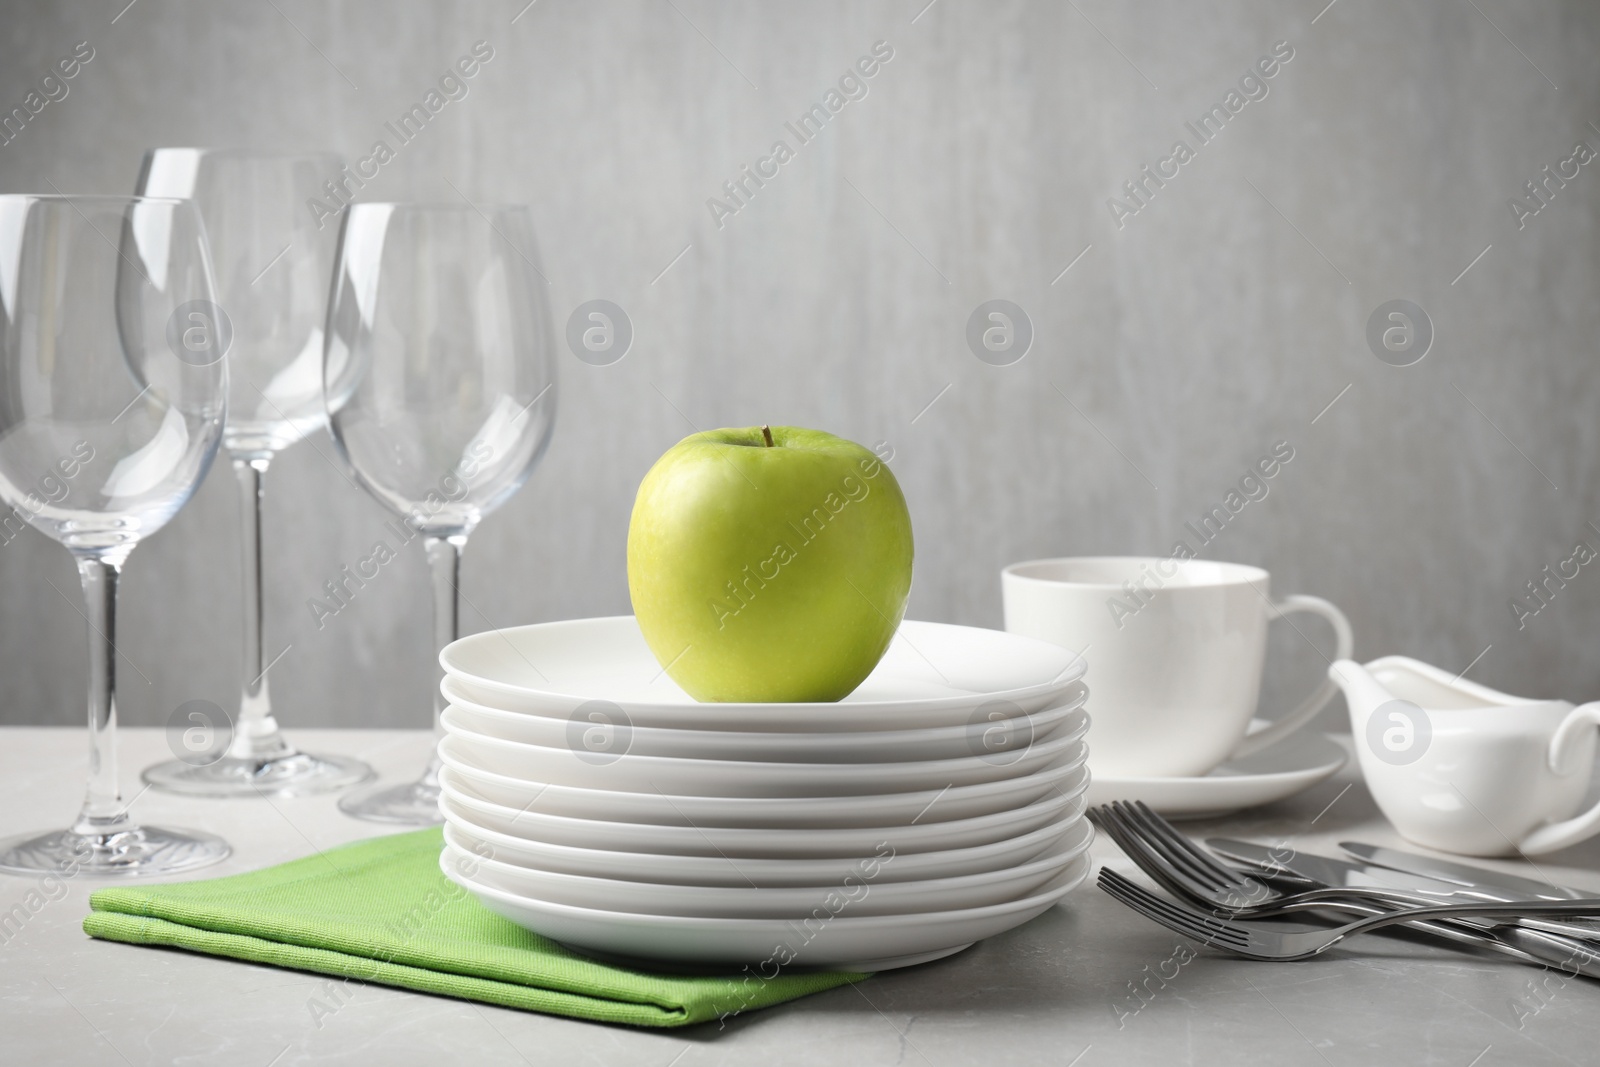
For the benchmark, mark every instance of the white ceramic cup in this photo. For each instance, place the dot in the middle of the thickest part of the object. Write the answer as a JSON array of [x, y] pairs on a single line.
[[1497, 775], [1175, 651]]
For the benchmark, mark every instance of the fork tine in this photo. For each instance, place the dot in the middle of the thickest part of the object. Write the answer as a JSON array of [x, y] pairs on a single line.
[[1175, 880], [1194, 918], [1199, 854], [1157, 824], [1119, 890], [1161, 834], [1158, 839], [1201, 926], [1175, 921]]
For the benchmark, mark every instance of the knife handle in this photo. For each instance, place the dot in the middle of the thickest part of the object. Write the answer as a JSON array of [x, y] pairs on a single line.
[[1475, 934], [1545, 942], [1567, 955]]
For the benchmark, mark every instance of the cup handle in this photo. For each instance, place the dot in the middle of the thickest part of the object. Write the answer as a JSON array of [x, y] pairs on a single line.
[[1570, 831], [1344, 644]]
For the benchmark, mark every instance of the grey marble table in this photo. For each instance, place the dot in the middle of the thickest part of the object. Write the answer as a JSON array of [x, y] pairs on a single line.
[[1056, 991]]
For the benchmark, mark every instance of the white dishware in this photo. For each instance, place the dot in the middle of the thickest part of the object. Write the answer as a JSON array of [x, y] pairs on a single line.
[[747, 872], [588, 798], [884, 809], [1289, 767], [1175, 650], [775, 844], [1460, 767], [859, 886], [941, 742], [579, 766], [933, 675], [837, 939]]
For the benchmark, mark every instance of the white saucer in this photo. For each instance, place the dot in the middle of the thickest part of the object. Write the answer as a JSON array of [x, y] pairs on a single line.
[[1291, 766]]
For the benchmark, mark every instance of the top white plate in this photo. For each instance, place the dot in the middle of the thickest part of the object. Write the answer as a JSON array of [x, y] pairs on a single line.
[[934, 674], [774, 746]]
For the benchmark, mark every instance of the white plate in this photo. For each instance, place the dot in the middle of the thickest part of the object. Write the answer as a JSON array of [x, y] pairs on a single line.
[[860, 887], [745, 871], [1291, 766], [852, 841], [934, 674], [856, 746], [885, 809], [741, 778], [844, 941]]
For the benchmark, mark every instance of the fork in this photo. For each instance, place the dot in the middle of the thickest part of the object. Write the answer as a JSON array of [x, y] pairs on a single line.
[[1177, 863], [1259, 942], [1191, 870]]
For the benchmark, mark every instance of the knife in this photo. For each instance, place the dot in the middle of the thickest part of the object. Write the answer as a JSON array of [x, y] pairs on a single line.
[[1341, 874], [1344, 874], [1493, 885]]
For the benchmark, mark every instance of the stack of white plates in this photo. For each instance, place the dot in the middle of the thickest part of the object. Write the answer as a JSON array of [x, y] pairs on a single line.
[[588, 798]]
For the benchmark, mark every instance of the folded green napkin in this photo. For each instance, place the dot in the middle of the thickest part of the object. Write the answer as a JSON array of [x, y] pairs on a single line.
[[381, 911]]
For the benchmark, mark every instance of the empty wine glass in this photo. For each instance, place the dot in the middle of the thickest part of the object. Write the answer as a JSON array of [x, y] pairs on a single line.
[[440, 382], [112, 397], [273, 258]]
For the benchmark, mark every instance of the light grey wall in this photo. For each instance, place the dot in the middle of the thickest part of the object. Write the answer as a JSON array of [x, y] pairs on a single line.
[[1221, 318]]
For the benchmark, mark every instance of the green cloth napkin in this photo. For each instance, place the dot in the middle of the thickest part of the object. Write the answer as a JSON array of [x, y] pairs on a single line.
[[381, 911]]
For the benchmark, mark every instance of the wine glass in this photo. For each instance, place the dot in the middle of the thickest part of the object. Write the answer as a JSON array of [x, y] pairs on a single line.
[[113, 393], [440, 383], [273, 258]]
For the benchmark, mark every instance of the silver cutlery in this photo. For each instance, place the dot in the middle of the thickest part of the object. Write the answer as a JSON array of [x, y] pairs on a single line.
[[1190, 870], [1420, 887], [1262, 942], [1494, 885], [1332, 872], [1556, 941], [1186, 869]]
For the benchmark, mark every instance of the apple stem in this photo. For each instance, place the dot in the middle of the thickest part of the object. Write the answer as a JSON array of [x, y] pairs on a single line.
[[766, 434]]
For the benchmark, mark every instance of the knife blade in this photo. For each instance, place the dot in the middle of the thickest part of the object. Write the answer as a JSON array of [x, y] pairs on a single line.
[[1344, 874], [1341, 874], [1495, 885]]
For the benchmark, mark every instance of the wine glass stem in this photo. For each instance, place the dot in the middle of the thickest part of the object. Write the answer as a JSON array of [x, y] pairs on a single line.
[[444, 561], [256, 733], [102, 805]]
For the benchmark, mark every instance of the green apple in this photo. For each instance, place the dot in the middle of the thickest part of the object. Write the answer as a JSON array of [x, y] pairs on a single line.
[[769, 564]]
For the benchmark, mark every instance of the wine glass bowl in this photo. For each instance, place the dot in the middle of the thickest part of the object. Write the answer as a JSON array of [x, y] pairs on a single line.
[[440, 384], [99, 382], [273, 257], [106, 430], [433, 381]]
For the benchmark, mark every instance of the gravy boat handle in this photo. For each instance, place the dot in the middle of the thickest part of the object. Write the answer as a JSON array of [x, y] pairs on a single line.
[[1569, 831]]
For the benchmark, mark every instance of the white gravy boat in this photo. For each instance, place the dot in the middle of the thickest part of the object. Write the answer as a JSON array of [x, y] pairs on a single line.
[[1460, 767]]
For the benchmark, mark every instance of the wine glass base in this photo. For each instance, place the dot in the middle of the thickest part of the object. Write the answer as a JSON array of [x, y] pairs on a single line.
[[126, 852], [294, 774], [412, 804]]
